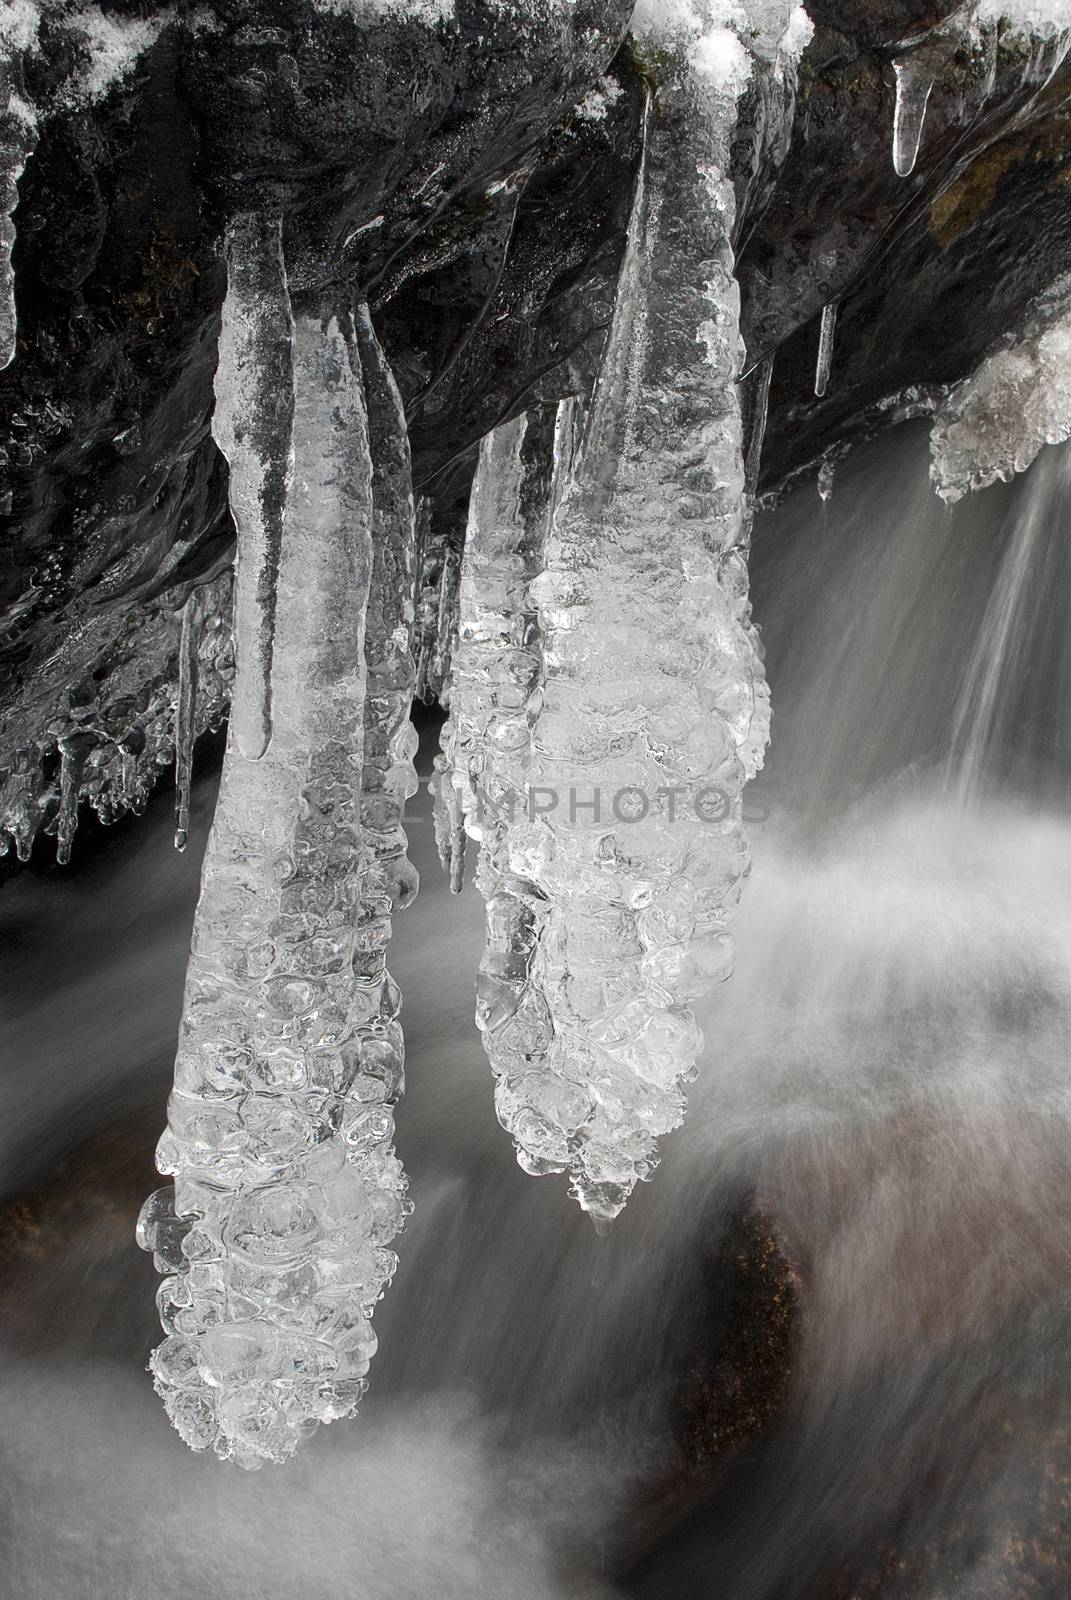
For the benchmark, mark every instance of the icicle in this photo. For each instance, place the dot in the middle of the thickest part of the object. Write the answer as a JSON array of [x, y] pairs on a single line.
[[1002, 654], [825, 348], [915, 77], [252, 425], [446, 622], [18, 126], [630, 853], [75, 750], [994, 423], [186, 714], [280, 1128], [390, 740], [449, 823], [758, 426]]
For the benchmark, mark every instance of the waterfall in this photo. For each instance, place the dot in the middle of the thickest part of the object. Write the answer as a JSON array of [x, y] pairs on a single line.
[[287, 1190]]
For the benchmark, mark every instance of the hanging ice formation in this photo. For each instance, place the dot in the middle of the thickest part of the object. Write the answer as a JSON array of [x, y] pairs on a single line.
[[825, 348], [607, 708], [759, 411], [252, 425], [926, 58], [496, 665], [287, 1190], [18, 123], [186, 715], [994, 423]]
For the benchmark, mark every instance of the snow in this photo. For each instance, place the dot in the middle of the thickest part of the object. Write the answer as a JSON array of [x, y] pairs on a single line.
[[280, 1128]]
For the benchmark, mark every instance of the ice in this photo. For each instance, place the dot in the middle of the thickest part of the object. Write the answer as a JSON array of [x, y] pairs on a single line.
[[186, 714], [428, 12], [928, 57], [994, 423], [437, 601], [915, 77], [252, 424], [495, 672], [290, 1058], [826, 332], [111, 45], [1042, 18], [18, 123], [759, 411], [609, 892], [107, 47]]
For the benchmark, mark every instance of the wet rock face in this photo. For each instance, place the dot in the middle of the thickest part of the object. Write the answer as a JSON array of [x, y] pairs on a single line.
[[443, 171]]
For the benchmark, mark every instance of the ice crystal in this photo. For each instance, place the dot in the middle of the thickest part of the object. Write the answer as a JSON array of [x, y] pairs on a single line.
[[17, 129], [1041, 18], [287, 1190]]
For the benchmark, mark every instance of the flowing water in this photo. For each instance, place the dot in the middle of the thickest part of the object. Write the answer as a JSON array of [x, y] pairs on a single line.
[[886, 1078]]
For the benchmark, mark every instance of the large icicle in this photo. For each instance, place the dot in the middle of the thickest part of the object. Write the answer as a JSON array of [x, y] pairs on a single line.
[[287, 1190], [494, 699], [630, 853], [252, 425], [994, 423], [18, 126], [495, 667], [824, 363]]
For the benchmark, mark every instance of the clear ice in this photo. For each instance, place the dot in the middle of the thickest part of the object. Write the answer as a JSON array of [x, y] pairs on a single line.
[[186, 715], [287, 1192], [607, 710], [824, 363], [252, 424]]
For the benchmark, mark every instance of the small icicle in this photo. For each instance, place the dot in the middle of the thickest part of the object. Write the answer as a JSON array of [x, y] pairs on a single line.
[[915, 77], [253, 426], [291, 1058], [427, 601], [825, 348], [186, 715], [390, 741], [758, 426], [74, 753]]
